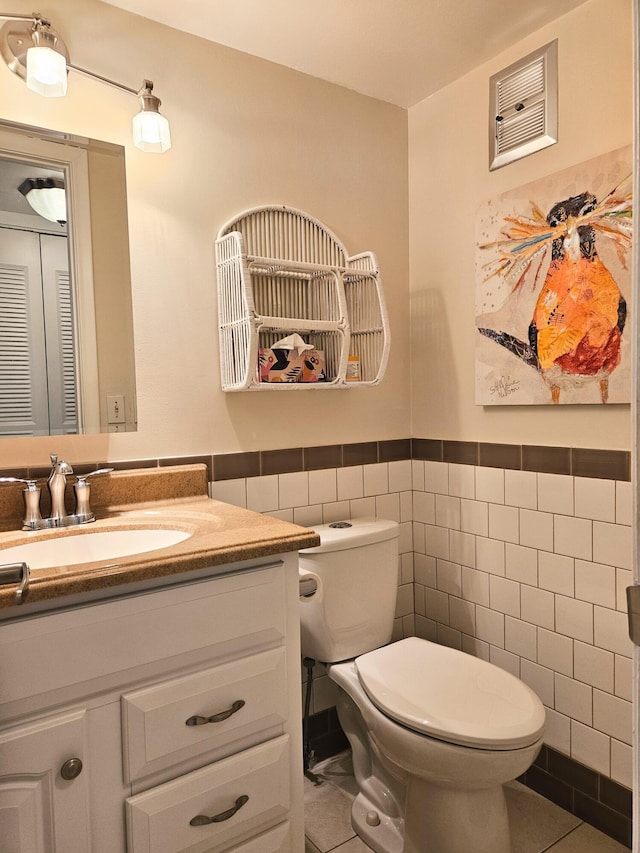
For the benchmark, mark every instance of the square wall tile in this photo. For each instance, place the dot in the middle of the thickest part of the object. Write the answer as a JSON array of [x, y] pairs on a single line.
[[448, 577], [610, 631], [404, 600], [376, 479], [474, 517], [520, 638], [417, 474], [388, 506], [537, 606], [400, 476], [590, 747], [521, 489], [556, 573], [555, 494], [490, 626], [536, 529], [490, 555], [539, 679], [436, 477], [262, 493], [505, 660], [436, 605], [573, 537], [462, 615], [475, 586], [504, 595], [230, 491], [596, 583], [424, 569], [595, 499], [436, 541], [490, 485], [612, 545], [448, 636], [622, 763], [338, 511], [350, 483], [361, 507], [574, 699], [555, 652], [574, 618], [612, 716], [624, 503], [406, 506], [448, 512], [624, 578], [424, 507], [323, 486], [521, 564], [593, 666], [475, 647], [462, 548], [504, 523], [308, 516], [557, 731], [461, 480], [293, 489], [623, 678]]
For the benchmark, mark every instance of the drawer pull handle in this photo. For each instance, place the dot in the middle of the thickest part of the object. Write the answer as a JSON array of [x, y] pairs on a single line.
[[216, 718], [203, 820]]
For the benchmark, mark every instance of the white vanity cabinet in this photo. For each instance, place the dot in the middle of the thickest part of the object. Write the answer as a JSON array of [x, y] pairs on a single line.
[[181, 702]]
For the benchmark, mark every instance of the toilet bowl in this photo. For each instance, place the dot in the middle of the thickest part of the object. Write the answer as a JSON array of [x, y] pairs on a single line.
[[434, 732]]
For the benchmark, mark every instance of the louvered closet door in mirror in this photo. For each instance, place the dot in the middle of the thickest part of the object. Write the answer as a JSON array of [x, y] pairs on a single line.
[[35, 376]]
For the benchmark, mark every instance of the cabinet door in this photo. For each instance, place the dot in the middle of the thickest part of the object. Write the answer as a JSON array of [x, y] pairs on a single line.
[[40, 811]]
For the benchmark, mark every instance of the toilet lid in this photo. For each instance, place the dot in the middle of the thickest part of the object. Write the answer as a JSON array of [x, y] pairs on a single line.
[[450, 695]]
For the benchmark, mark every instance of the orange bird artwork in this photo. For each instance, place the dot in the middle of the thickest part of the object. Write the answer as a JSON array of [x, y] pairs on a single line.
[[575, 333]]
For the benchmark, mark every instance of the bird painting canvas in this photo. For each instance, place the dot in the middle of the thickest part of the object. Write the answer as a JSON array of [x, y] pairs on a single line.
[[553, 287]]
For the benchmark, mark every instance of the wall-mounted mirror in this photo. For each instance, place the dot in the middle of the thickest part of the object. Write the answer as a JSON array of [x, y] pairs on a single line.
[[66, 324]]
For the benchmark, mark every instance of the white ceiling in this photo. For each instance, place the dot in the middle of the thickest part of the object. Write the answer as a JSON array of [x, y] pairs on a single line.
[[400, 51]]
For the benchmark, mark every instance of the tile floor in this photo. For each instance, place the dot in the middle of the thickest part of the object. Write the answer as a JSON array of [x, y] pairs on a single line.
[[537, 825]]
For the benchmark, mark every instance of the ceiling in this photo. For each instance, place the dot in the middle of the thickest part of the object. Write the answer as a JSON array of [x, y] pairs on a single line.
[[399, 51]]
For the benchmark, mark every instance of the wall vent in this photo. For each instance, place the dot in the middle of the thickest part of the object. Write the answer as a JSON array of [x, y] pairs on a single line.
[[523, 107]]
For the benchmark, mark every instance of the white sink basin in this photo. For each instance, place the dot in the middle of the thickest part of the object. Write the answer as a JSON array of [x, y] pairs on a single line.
[[89, 546]]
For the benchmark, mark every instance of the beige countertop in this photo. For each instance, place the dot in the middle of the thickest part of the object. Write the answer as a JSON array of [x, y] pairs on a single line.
[[219, 533]]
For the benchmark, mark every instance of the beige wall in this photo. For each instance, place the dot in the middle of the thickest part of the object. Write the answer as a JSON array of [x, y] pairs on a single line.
[[245, 132], [449, 179]]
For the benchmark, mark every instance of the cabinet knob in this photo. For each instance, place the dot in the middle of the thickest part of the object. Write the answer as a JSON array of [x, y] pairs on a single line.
[[204, 820], [71, 769], [198, 720]]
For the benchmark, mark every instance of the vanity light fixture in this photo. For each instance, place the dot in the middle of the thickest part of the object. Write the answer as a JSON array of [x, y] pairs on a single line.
[[34, 51], [47, 197]]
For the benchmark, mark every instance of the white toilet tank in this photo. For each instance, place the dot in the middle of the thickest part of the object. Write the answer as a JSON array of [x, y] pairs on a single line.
[[352, 611]]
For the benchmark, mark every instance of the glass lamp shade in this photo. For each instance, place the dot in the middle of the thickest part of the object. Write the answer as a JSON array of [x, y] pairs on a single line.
[[151, 131], [47, 197], [46, 72]]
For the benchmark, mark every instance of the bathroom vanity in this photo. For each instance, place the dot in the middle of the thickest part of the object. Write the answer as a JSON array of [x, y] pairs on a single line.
[[152, 703]]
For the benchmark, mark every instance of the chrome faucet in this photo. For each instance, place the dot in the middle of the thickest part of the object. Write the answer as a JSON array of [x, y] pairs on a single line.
[[57, 485]]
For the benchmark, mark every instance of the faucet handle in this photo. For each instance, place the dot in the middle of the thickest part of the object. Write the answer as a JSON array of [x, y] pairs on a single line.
[[32, 518], [82, 490]]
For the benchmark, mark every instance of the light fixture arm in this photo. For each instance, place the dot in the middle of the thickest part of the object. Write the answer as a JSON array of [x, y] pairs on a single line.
[[150, 129]]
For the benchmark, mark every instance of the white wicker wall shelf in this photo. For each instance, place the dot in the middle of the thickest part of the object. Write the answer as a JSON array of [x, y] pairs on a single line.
[[281, 271]]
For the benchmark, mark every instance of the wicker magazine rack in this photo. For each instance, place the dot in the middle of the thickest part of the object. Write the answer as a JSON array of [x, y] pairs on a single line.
[[281, 271]]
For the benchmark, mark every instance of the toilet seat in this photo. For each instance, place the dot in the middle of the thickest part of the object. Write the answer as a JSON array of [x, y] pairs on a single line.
[[449, 695]]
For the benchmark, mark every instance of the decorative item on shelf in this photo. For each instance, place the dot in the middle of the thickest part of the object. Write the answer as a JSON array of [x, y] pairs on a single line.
[[291, 360], [353, 369], [34, 51], [280, 271]]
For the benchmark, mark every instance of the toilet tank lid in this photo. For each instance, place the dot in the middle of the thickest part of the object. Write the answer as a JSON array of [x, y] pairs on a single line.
[[353, 533]]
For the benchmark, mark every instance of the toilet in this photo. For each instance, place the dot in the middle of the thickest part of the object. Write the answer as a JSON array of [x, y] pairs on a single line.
[[434, 732]]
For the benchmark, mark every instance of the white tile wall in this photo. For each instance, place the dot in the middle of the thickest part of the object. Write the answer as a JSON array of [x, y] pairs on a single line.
[[526, 570]]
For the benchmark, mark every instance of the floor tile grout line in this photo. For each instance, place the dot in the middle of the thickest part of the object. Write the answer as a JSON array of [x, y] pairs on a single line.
[[562, 837]]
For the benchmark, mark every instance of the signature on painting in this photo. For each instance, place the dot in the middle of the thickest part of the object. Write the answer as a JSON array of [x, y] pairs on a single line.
[[504, 385]]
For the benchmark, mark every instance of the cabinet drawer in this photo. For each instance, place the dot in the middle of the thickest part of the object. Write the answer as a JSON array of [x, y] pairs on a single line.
[[276, 840], [156, 733], [158, 821]]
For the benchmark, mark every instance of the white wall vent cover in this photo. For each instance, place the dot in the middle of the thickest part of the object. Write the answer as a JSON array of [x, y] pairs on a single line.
[[523, 107]]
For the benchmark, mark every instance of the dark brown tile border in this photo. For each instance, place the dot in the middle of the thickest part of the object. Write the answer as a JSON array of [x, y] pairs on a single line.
[[603, 464], [500, 456], [579, 462], [286, 461], [461, 452], [363, 453], [546, 460]]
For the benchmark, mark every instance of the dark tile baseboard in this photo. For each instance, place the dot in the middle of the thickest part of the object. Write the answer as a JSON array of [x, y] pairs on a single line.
[[578, 789]]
